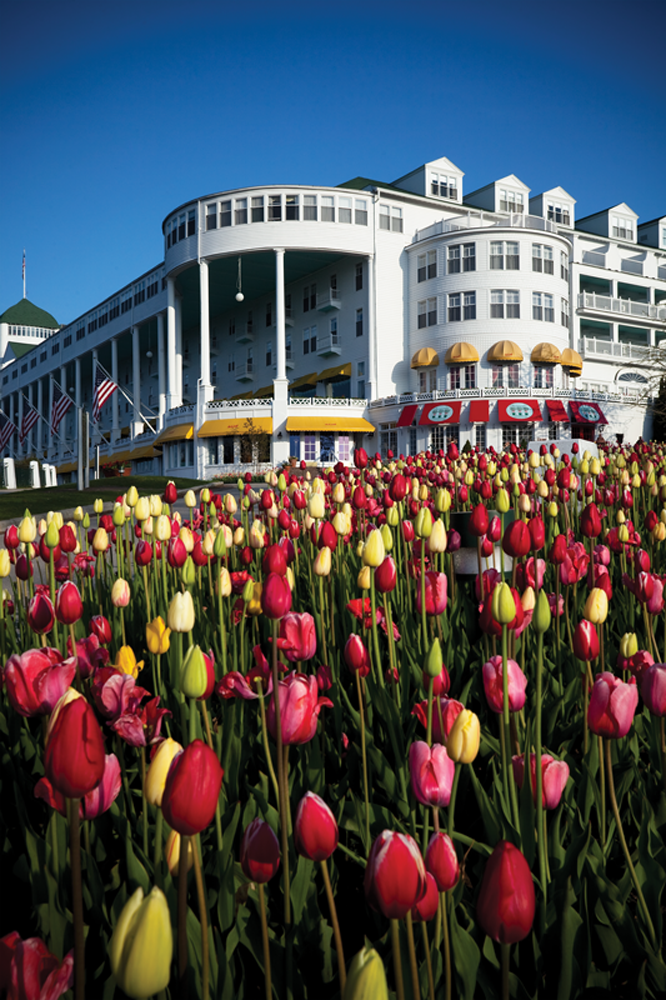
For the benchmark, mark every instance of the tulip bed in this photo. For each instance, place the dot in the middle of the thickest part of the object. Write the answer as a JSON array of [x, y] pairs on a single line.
[[278, 747]]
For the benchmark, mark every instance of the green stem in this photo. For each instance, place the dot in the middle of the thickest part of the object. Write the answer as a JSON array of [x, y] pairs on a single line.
[[424, 623], [431, 688], [397, 961], [506, 958], [203, 919], [77, 900], [182, 914], [413, 968], [267, 746], [157, 847], [375, 638], [452, 802], [426, 948], [264, 942], [506, 746], [541, 846], [361, 712], [342, 970], [447, 944]]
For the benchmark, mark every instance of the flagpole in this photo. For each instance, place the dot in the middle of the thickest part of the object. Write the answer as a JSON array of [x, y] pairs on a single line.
[[23, 272]]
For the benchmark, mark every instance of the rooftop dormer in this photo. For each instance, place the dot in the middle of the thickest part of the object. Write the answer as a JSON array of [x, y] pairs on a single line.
[[618, 223], [508, 194], [556, 205], [653, 233], [439, 179]]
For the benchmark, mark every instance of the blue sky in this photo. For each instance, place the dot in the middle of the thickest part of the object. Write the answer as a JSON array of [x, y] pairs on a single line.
[[112, 114]]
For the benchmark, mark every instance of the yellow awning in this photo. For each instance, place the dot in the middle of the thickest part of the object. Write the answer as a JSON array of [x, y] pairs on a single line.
[[571, 359], [266, 391], [426, 357], [67, 467], [240, 395], [120, 456], [304, 381], [181, 432], [239, 425], [332, 423], [545, 354], [459, 354], [505, 350], [148, 451], [335, 374]]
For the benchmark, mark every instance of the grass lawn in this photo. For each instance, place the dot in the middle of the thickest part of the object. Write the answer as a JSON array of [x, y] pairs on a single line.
[[12, 505]]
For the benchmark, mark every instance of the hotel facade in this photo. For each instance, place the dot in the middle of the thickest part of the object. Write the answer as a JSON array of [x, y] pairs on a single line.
[[301, 321]]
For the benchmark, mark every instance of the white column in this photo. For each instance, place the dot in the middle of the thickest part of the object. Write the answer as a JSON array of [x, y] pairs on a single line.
[[78, 400], [371, 385], [204, 326], [65, 388], [115, 399], [179, 349], [280, 446], [95, 428], [40, 423], [161, 371], [53, 440], [21, 447], [172, 374], [31, 436], [136, 379], [281, 372]]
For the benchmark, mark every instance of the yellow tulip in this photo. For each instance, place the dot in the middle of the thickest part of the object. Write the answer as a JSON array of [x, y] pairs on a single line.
[[156, 774], [322, 563], [503, 604], [187, 538], [141, 946], [367, 978], [78, 514], [363, 578], [163, 528], [437, 540], [100, 541], [155, 503], [172, 852], [5, 563], [462, 745], [27, 531], [126, 661], [254, 604], [225, 582], [157, 636], [374, 550], [316, 506], [98, 506], [190, 499], [596, 606], [239, 536]]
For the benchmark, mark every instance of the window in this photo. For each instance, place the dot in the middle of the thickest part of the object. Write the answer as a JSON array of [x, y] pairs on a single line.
[[232, 327], [269, 354], [327, 208], [269, 314], [310, 207], [359, 277], [428, 380], [225, 213], [258, 208], [291, 207], [455, 377], [360, 385], [548, 309], [427, 313], [310, 447], [24, 369], [309, 298], [559, 214], [344, 449], [513, 305], [67, 341], [396, 220], [564, 266], [511, 201], [190, 222], [443, 186], [469, 305], [512, 257], [480, 436], [469, 257], [310, 340], [537, 262], [454, 308], [211, 216], [543, 376], [537, 305], [384, 217], [139, 293], [564, 312], [55, 349], [497, 256], [42, 356], [295, 445], [114, 311], [92, 320], [548, 266], [33, 362], [287, 347], [512, 375], [344, 210], [361, 212], [359, 322], [497, 304], [181, 227], [454, 260], [421, 267], [275, 208], [231, 363], [622, 228], [240, 214], [426, 265], [470, 376], [333, 330]]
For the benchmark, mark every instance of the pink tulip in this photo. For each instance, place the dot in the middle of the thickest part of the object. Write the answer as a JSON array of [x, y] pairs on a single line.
[[298, 638], [94, 803], [395, 876], [653, 689], [448, 708], [28, 970], [493, 685], [426, 907], [555, 774], [612, 706], [431, 771], [435, 593], [37, 679], [300, 706]]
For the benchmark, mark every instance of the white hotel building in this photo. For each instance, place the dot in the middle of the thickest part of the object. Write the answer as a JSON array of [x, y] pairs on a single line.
[[296, 320]]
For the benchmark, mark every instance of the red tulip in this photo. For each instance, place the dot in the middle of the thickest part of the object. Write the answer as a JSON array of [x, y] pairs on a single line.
[[315, 828], [505, 907], [386, 576], [37, 679], [436, 593], [555, 774], [558, 550], [45, 551], [23, 568], [612, 706], [274, 560], [12, 540], [143, 553], [259, 851], [590, 521], [170, 493], [300, 706], [100, 627], [69, 606], [266, 500], [395, 876], [176, 553], [493, 682], [356, 655], [408, 531], [537, 530], [298, 637], [442, 861], [398, 488], [449, 709], [67, 538], [426, 907], [28, 970], [585, 641], [74, 756], [96, 802], [431, 771], [360, 458], [192, 789], [275, 596], [40, 614], [478, 522], [517, 541], [328, 537]]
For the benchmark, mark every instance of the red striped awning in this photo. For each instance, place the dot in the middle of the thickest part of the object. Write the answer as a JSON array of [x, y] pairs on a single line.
[[518, 410], [441, 413], [407, 414], [479, 411], [587, 413], [556, 410]]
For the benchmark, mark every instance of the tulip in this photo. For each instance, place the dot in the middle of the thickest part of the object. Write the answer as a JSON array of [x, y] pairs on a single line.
[[300, 706], [74, 755], [423, 523], [157, 636], [441, 861], [395, 876], [100, 542], [193, 674], [386, 576], [374, 550], [276, 596], [322, 563], [315, 828], [141, 945], [426, 907], [156, 775], [431, 772], [5, 563], [298, 638], [653, 689], [69, 606], [590, 521], [612, 706], [437, 540], [181, 612], [506, 903], [120, 593], [478, 522], [517, 541], [555, 774], [170, 492], [27, 530], [436, 593], [356, 655], [259, 852], [100, 627], [12, 540], [585, 641], [172, 852], [126, 662], [40, 614], [463, 740], [28, 970], [192, 789], [493, 685], [596, 606], [366, 979], [37, 679], [503, 604]]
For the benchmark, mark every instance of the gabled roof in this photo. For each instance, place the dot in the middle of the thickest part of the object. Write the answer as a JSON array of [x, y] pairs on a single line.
[[623, 208], [514, 181], [558, 192], [25, 313]]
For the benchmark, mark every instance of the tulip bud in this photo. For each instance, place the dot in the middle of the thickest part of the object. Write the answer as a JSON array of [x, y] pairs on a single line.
[[423, 523], [434, 662], [190, 499], [225, 582], [78, 514], [363, 580], [628, 645], [442, 501], [194, 675], [442, 862], [596, 606], [120, 593], [181, 613], [141, 945], [192, 789], [503, 604], [172, 852], [366, 979], [156, 775], [542, 615], [27, 531], [162, 528], [506, 903], [437, 540], [69, 606], [315, 828], [462, 745], [316, 507], [100, 542], [374, 551], [259, 851], [387, 537], [502, 501], [276, 594], [5, 563], [322, 563], [52, 536]]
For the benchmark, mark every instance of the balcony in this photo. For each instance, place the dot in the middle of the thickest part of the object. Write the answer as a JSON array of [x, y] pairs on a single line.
[[485, 221], [328, 345], [326, 301], [245, 371], [244, 333], [621, 307], [594, 347]]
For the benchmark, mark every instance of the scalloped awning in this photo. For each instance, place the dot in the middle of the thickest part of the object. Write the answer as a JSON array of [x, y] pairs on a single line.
[[460, 354], [426, 357], [572, 360], [545, 354], [505, 350]]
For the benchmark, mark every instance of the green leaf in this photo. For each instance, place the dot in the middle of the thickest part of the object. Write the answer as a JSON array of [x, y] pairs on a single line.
[[302, 883], [571, 922], [466, 956]]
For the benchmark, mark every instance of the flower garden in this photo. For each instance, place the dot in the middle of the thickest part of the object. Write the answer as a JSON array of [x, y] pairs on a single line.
[[394, 731]]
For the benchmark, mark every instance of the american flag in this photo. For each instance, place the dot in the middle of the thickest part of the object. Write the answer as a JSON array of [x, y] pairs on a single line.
[[7, 428], [104, 389], [61, 404], [30, 418]]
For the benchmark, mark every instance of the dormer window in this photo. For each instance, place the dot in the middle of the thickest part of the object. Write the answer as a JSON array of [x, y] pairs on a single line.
[[559, 214], [512, 201], [622, 229], [444, 186]]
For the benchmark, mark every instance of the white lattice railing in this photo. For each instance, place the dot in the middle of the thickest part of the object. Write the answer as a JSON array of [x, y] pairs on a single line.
[[325, 401]]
